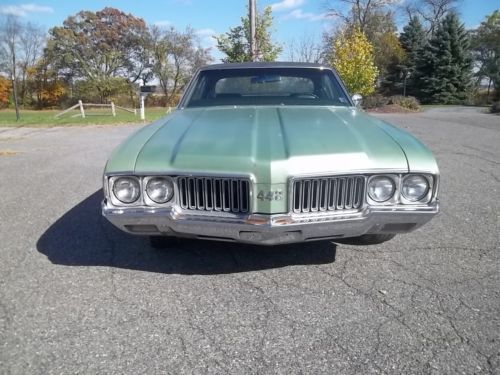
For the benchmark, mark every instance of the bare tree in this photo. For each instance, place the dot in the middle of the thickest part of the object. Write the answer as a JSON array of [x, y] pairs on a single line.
[[430, 11], [305, 49], [176, 57], [10, 33], [357, 12], [31, 43]]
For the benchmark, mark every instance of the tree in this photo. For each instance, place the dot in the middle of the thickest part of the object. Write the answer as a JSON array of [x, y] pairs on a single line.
[[443, 71], [354, 61], [101, 47], [177, 55], [380, 30], [4, 92], [396, 74], [31, 43], [45, 84], [375, 18], [10, 32], [235, 45], [431, 11], [236, 42], [486, 49], [388, 50], [413, 40], [360, 12], [305, 49]]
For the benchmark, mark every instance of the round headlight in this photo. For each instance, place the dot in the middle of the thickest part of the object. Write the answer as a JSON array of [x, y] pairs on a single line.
[[381, 188], [415, 187], [160, 189], [126, 189]]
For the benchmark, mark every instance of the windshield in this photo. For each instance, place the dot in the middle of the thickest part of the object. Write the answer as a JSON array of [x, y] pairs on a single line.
[[266, 86]]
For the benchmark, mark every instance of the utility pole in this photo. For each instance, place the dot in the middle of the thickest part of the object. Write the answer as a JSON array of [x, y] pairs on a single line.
[[253, 42]]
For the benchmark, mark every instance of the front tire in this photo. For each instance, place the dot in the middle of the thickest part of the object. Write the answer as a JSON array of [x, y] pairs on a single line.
[[367, 239]]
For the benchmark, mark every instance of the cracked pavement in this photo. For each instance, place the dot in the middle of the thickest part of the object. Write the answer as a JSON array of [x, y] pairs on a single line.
[[79, 296]]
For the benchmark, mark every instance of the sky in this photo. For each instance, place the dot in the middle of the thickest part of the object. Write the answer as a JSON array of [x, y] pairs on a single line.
[[292, 18]]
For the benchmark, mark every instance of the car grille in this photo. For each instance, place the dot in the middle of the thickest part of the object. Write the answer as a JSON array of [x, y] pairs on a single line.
[[214, 194], [328, 194]]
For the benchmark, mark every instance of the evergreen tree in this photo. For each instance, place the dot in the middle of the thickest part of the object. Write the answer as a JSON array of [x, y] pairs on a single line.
[[394, 81], [236, 42], [486, 49], [443, 72], [413, 40]]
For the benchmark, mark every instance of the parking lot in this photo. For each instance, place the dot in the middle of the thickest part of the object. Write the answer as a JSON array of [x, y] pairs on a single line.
[[79, 296]]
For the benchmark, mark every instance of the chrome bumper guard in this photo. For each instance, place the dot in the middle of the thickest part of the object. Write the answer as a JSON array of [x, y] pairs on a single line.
[[268, 229]]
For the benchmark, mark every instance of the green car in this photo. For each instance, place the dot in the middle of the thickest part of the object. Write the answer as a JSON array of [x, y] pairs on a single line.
[[270, 153]]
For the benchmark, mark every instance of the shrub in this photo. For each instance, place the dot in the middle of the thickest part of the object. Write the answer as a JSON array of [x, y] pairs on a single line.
[[407, 102], [160, 100], [479, 97], [375, 101], [495, 108]]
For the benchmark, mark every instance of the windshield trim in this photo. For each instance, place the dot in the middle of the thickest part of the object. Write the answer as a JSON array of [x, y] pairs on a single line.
[[191, 85]]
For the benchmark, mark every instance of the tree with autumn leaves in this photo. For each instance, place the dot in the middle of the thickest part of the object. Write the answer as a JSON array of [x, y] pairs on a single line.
[[354, 61], [4, 92], [96, 56], [101, 48], [21, 54]]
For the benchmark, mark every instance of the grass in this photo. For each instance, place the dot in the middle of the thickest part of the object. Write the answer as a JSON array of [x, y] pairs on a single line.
[[45, 118]]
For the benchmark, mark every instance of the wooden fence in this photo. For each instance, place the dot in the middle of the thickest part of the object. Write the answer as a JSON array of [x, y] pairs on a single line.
[[82, 107]]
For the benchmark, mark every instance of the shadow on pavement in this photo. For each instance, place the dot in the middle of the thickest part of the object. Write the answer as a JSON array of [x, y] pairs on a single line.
[[82, 237]]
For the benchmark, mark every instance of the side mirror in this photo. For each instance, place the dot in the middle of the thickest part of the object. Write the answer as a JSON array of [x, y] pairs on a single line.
[[357, 99]]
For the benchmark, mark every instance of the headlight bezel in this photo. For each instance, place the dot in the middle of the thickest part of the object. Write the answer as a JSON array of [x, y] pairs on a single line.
[[425, 198], [151, 202], [143, 199], [398, 197], [393, 199], [112, 192]]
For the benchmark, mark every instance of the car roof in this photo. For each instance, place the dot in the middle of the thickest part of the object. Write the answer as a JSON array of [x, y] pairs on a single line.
[[275, 64]]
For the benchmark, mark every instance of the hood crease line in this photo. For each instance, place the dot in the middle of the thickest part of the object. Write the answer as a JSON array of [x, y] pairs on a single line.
[[156, 131], [177, 146], [399, 145], [283, 132]]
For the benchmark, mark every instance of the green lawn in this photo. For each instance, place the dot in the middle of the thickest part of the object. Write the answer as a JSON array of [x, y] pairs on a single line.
[[45, 118]]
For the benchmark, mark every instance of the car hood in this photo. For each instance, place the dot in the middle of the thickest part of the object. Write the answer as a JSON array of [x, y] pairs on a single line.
[[269, 143]]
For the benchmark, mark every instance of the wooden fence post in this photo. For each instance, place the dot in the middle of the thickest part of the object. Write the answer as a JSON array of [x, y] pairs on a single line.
[[143, 115], [113, 112], [81, 108]]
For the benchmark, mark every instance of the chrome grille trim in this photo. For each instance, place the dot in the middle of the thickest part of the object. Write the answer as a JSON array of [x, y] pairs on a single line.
[[321, 194], [230, 195]]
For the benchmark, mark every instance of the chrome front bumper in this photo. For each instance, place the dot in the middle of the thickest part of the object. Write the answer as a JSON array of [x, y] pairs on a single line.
[[268, 229]]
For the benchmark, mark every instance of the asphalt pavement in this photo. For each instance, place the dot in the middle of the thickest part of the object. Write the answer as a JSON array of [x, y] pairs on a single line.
[[79, 296]]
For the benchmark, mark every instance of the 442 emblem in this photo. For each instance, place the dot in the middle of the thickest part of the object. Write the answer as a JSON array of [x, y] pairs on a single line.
[[273, 195]]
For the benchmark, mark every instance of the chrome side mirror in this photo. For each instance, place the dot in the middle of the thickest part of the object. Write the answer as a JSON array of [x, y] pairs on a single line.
[[357, 99]]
